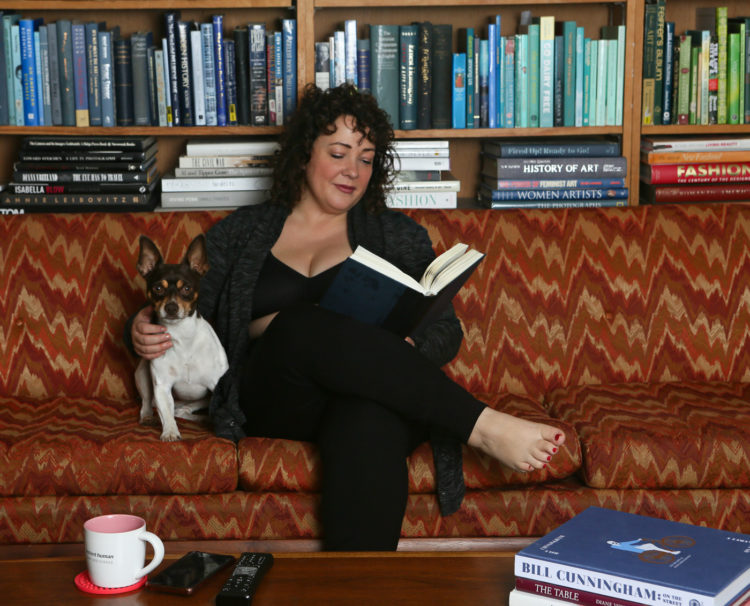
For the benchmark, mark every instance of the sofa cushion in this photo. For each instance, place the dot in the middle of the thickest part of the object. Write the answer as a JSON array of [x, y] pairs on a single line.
[[283, 465], [661, 435], [77, 446]]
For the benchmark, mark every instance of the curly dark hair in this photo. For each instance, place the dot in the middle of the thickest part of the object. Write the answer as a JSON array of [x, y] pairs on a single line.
[[315, 116]]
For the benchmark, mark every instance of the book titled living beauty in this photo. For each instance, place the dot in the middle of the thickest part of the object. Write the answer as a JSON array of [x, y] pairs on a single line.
[[372, 290], [641, 560]]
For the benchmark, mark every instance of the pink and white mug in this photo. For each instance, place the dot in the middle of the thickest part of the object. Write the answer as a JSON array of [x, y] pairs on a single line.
[[116, 550]]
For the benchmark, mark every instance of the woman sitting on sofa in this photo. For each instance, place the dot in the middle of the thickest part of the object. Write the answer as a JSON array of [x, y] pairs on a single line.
[[366, 397]]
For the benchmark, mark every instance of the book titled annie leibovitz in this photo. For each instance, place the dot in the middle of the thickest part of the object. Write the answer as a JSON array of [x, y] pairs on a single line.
[[639, 559], [370, 289]]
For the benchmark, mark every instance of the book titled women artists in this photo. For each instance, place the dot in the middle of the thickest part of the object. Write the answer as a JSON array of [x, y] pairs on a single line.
[[627, 558], [372, 290]]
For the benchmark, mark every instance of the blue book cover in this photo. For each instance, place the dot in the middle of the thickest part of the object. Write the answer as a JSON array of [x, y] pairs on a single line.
[[492, 76], [289, 49], [579, 77], [533, 68], [484, 79], [363, 64], [92, 61], [107, 77], [666, 112], [459, 90], [38, 73], [521, 94], [31, 106], [586, 81], [509, 83], [641, 559]]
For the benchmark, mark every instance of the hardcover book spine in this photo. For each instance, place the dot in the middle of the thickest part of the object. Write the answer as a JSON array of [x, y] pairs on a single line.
[[648, 83], [459, 90], [721, 35], [209, 73], [733, 84], [729, 192], [218, 46], [350, 52], [322, 81], [230, 82], [196, 66], [602, 82], [708, 172], [139, 44], [509, 84], [55, 94], [442, 68], [80, 74], [384, 72], [45, 82], [668, 69], [521, 106], [183, 73], [579, 77], [94, 77], [547, 71], [289, 39], [153, 102], [170, 27], [533, 75], [258, 81], [424, 75], [661, 10], [683, 80], [559, 81], [242, 67], [67, 79], [569, 73], [167, 82], [493, 76], [278, 49], [322, 65], [16, 83], [594, 82], [339, 57], [363, 65], [107, 79], [4, 117], [713, 82], [574, 596], [586, 121], [26, 28], [123, 82], [611, 91], [484, 86], [408, 77], [570, 168], [555, 194]]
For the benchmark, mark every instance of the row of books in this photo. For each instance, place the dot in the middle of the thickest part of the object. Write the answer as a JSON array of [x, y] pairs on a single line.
[[690, 169], [422, 176], [547, 74], [536, 173], [701, 76], [84, 173], [604, 556], [83, 74]]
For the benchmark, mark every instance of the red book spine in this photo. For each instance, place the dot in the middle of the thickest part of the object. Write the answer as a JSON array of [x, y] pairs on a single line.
[[703, 193], [574, 596], [705, 172]]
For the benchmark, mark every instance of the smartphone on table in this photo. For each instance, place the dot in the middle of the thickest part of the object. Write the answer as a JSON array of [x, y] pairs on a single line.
[[186, 574]]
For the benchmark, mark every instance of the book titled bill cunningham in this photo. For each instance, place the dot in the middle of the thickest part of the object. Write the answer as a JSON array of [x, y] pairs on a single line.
[[372, 290], [641, 559]]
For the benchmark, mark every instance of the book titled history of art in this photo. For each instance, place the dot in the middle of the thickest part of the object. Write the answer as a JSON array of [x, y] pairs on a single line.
[[640, 559]]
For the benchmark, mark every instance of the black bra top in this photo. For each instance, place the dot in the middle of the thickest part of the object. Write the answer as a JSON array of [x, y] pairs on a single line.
[[279, 286]]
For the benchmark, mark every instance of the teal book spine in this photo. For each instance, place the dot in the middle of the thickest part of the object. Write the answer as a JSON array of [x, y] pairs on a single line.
[[459, 91], [593, 87], [586, 81], [611, 103], [38, 74], [533, 71], [17, 83], [500, 66], [579, 77], [45, 81], [569, 74], [521, 93], [509, 82], [467, 42], [31, 107], [621, 31], [601, 83], [493, 75]]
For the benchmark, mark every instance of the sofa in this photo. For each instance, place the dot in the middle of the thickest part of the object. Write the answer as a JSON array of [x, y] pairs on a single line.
[[627, 328]]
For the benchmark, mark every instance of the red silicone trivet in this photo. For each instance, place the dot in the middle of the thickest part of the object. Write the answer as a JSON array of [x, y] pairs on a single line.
[[83, 582]]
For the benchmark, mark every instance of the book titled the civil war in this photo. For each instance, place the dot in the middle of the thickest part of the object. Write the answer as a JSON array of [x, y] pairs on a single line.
[[372, 290]]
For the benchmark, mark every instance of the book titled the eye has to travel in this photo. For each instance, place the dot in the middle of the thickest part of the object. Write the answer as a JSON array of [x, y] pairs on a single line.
[[626, 558], [372, 290]]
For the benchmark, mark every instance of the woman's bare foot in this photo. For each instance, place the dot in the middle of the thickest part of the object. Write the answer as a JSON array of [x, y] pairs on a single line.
[[517, 443]]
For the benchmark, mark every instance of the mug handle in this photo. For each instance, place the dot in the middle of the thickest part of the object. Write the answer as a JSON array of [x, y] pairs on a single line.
[[158, 546]]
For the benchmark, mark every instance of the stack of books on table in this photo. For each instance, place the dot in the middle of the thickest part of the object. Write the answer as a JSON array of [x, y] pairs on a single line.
[[422, 176], [534, 173], [607, 557], [59, 174], [695, 169], [220, 173]]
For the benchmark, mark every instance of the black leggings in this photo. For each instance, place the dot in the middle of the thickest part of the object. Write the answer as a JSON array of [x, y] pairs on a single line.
[[367, 398]]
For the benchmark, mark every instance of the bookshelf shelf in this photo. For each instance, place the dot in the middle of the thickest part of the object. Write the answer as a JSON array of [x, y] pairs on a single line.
[[317, 19]]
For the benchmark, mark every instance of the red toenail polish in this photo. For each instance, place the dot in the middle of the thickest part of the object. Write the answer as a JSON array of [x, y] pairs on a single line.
[[549, 458], [557, 436], [554, 450]]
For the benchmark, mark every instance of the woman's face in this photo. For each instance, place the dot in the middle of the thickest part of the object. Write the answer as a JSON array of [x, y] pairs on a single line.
[[340, 167]]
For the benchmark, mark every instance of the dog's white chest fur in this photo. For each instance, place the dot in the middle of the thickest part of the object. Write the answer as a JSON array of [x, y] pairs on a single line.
[[187, 372]]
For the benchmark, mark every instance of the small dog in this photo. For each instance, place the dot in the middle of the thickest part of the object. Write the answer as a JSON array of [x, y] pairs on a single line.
[[192, 367]]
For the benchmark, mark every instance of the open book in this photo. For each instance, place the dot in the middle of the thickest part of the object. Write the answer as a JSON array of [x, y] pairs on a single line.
[[372, 290]]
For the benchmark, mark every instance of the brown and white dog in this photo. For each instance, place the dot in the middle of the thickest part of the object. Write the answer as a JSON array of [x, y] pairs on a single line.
[[179, 382]]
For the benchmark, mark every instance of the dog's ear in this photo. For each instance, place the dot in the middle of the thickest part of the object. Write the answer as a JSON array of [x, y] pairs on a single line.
[[196, 257], [149, 257]]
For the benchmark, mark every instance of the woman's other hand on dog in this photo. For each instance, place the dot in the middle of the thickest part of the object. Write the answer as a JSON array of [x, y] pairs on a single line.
[[149, 340]]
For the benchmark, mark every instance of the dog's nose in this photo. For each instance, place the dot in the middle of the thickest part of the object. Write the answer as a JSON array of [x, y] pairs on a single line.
[[172, 309]]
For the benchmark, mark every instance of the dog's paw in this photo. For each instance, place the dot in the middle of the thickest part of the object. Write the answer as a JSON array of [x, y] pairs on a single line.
[[170, 436], [149, 420]]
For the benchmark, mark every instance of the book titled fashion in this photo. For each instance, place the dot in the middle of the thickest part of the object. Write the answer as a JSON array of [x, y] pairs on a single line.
[[372, 290], [640, 559]]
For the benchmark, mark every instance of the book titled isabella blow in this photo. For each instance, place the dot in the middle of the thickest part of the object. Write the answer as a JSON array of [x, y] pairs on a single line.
[[641, 559], [372, 290]]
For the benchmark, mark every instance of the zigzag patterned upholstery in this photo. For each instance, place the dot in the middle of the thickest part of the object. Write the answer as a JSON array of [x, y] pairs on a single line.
[[626, 328]]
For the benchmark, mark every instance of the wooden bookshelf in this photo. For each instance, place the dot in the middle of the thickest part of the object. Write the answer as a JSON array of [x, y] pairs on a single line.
[[317, 19]]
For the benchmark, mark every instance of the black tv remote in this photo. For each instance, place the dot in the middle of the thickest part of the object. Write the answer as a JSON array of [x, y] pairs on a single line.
[[241, 586]]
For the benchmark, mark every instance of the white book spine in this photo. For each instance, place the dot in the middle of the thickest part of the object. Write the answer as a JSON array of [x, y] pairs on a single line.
[[425, 199], [339, 38], [350, 52], [209, 76], [412, 143], [199, 92], [422, 186], [421, 164], [167, 89], [219, 161], [229, 147], [215, 183]]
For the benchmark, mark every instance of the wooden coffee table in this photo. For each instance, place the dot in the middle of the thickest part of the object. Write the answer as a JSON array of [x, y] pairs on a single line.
[[309, 579]]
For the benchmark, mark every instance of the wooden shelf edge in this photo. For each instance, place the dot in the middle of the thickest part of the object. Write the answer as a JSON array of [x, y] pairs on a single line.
[[162, 5], [497, 133], [693, 129], [180, 131], [433, 3]]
